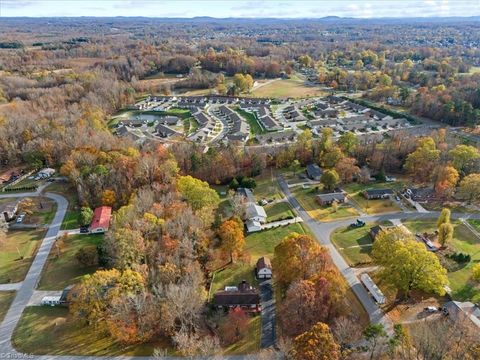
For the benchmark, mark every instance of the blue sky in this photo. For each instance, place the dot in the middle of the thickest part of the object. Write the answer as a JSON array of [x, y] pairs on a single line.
[[251, 9]]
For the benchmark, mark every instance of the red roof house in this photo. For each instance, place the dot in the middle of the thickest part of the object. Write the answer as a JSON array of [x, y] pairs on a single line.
[[101, 219]]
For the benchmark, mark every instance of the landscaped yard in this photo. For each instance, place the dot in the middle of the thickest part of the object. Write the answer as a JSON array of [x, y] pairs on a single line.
[[279, 211], [17, 254], [355, 195], [63, 270], [355, 244], [6, 298], [52, 331], [306, 198]]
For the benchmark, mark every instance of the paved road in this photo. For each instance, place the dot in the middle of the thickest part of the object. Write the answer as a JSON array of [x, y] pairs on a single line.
[[28, 286], [268, 314], [323, 231], [10, 287]]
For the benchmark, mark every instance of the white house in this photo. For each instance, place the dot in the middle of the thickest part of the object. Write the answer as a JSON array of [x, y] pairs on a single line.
[[264, 268], [51, 300], [45, 173], [256, 213], [253, 226]]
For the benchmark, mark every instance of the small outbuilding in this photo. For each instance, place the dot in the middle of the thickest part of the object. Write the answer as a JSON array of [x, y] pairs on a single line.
[[264, 268]]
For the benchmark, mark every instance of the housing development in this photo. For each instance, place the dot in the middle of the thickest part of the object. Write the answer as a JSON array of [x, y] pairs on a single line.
[[290, 180]]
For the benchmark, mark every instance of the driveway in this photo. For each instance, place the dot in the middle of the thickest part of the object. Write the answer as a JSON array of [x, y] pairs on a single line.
[[268, 314]]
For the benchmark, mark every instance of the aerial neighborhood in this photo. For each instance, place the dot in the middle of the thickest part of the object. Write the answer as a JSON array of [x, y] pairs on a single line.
[[204, 180]]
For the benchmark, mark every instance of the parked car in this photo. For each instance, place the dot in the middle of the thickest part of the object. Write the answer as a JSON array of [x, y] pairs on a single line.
[[84, 229], [358, 223], [20, 218], [430, 309]]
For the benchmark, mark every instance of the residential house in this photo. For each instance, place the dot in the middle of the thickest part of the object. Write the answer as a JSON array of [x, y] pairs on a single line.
[[165, 132], [277, 137], [459, 311], [373, 194], [247, 194], [314, 172], [169, 120], [256, 213], [101, 219], [328, 199], [263, 268], [242, 296]]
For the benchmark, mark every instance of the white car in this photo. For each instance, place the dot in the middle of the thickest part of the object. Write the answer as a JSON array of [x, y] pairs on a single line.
[[20, 218]]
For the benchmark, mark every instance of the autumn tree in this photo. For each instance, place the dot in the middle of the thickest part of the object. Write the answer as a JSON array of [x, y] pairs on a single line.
[[232, 237], [463, 157], [347, 169], [320, 298], [234, 326], [469, 187], [476, 272], [331, 157], [87, 256], [407, 264], [298, 257], [316, 344], [445, 233], [108, 197], [423, 160], [446, 180], [330, 179], [348, 142], [26, 205], [444, 217], [375, 334]]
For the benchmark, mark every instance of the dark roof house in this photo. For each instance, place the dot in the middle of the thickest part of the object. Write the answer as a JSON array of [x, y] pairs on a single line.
[[314, 171]]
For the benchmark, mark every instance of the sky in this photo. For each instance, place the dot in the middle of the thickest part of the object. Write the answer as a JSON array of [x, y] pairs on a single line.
[[240, 8]]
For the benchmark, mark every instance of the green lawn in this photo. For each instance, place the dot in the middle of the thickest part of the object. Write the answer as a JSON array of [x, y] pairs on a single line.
[[232, 275], [51, 330], [267, 188], [355, 190], [420, 226], [17, 254], [263, 243], [6, 298], [69, 192], [255, 127], [355, 244], [475, 224], [61, 271], [306, 198], [279, 211]]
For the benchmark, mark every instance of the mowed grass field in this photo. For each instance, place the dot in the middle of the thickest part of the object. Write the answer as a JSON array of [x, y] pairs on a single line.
[[371, 207], [6, 298], [285, 88], [355, 244], [52, 330], [306, 198], [17, 254], [63, 269]]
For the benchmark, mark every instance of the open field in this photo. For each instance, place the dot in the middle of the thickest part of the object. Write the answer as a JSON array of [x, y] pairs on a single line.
[[279, 211], [6, 298], [63, 270], [285, 88], [306, 198], [17, 254], [51, 330]]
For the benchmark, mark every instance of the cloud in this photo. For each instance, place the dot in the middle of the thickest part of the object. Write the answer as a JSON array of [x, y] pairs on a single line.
[[11, 4]]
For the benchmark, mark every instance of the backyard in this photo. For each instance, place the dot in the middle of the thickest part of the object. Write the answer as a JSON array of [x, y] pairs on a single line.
[[63, 269], [17, 254], [306, 198]]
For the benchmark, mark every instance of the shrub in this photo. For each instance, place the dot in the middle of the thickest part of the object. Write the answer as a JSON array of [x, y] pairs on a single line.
[[87, 256]]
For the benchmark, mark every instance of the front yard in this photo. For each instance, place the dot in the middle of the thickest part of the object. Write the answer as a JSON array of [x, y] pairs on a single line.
[[371, 207], [279, 211], [6, 298], [63, 269], [17, 254], [306, 198], [52, 331]]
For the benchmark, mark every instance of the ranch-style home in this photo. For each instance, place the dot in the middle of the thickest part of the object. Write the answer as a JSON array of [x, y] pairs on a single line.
[[373, 194], [101, 220]]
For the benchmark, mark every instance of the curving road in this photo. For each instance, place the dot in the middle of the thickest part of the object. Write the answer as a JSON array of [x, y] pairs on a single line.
[[323, 231]]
